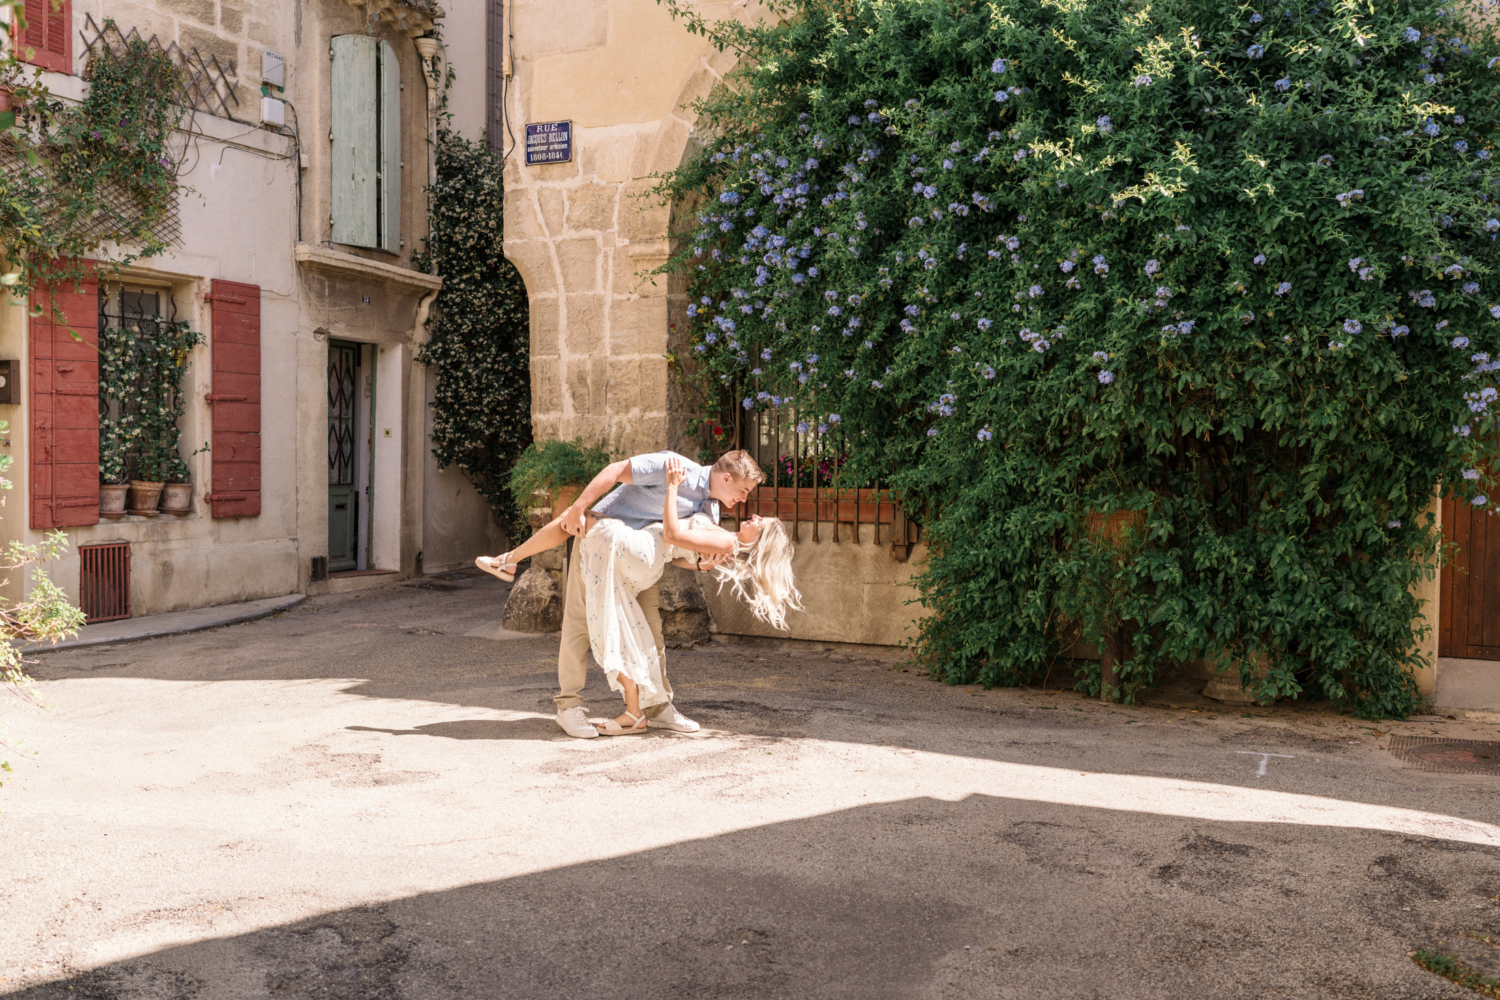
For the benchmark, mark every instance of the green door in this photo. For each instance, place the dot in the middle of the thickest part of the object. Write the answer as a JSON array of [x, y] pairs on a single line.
[[343, 497]]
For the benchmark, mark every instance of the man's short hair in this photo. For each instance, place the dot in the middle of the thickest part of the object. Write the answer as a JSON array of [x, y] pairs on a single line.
[[740, 465]]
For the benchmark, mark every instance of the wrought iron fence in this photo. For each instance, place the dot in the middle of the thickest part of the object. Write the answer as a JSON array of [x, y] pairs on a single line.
[[802, 457]]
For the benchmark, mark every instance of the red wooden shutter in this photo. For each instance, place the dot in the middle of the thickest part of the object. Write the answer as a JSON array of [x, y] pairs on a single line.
[[65, 406], [235, 448], [48, 34]]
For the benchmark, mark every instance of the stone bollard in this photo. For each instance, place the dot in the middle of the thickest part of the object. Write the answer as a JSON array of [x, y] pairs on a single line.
[[535, 603], [684, 609]]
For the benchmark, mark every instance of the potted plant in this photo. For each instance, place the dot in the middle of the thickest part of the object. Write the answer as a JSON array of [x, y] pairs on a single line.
[[145, 494], [112, 485], [558, 469], [176, 492]]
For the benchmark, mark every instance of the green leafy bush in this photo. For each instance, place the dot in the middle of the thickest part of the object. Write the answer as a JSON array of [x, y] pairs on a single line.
[[478, 338], [1232, 268], [547, 466]]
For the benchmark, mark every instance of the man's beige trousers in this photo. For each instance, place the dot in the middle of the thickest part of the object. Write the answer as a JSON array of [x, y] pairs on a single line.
[[573, 656]]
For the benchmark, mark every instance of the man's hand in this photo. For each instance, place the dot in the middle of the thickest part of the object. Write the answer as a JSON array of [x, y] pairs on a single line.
[[574, 520], [707, 563]]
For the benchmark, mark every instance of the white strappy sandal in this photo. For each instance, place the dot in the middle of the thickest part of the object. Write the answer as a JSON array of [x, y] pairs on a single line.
[[497, 566], [609, 727]]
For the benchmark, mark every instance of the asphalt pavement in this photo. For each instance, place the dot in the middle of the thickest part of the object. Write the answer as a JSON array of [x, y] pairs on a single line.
[[366, 796]]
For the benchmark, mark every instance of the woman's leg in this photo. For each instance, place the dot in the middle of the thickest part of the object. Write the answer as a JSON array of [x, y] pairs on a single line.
[[549, 536], [632, 705]]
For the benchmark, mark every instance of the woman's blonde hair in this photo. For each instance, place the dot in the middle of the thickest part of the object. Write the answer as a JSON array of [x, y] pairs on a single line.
[[766, 566]]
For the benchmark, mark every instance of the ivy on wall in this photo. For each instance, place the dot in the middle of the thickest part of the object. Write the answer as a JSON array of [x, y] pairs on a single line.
[[478, 336]]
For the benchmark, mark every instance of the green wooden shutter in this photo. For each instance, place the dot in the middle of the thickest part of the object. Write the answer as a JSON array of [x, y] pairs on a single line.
[[390, 149], [356, 144]]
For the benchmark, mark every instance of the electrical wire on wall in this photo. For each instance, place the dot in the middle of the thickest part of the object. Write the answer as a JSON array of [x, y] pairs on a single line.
[[297, 152], [510, 44]]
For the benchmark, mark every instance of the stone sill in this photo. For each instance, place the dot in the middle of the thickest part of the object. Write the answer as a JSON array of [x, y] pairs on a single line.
[[347, 265]]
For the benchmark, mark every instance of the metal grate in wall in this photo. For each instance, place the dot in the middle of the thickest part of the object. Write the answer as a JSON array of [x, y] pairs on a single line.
[[104, 581]]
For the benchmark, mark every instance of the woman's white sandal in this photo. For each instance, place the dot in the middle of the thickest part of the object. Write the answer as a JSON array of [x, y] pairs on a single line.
[[496, 566], [609, 727]]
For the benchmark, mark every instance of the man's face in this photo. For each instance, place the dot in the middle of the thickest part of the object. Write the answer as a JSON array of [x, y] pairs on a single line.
[[729, 490]]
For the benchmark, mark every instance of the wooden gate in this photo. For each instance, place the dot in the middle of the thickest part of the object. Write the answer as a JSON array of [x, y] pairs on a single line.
[[1469, 619]]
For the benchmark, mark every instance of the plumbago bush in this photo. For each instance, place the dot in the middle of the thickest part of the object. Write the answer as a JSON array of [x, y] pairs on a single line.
[[1224, 272]]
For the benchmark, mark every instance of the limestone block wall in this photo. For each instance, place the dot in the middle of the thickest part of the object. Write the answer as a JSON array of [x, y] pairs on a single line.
[[586, 234], [851, 592]]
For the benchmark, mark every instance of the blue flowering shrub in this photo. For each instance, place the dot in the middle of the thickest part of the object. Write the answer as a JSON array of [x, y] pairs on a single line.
[[1228, 274]]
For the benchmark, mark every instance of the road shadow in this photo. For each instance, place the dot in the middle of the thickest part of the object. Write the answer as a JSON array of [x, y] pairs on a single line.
[[922, 898], [477, 729]]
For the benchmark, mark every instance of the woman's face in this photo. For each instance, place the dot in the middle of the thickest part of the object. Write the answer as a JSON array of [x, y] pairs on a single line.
[[750, 529]]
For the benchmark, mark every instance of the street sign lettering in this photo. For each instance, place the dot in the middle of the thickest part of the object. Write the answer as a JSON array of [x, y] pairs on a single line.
[[549, 142]]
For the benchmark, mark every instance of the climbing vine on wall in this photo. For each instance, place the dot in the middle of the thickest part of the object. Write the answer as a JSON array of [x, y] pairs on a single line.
[[141, 365], [478, 338], [75, 178]]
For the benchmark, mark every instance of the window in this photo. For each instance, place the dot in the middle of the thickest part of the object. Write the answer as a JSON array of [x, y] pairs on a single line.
[[48, 35], [366, 94]]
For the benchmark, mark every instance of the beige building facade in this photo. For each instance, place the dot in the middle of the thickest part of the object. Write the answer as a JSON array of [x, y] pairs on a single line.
[[258, 209]]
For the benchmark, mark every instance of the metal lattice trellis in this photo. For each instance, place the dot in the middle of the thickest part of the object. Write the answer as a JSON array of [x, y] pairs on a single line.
[[207, 85]]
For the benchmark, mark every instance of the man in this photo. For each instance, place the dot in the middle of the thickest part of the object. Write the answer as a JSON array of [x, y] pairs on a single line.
[[638, 503]]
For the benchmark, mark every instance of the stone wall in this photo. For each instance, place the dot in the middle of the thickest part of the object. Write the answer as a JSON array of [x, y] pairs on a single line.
[[235, 31], [851, 592], [586, 234]]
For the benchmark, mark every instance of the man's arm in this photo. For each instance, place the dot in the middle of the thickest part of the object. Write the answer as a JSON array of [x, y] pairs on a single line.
[[573, 521]]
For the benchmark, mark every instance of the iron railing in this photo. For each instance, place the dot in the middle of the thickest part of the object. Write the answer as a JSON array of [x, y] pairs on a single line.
[[802, 458]]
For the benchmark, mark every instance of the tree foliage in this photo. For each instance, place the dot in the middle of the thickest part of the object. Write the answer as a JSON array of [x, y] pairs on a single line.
[[478, 338], [1226, 272]]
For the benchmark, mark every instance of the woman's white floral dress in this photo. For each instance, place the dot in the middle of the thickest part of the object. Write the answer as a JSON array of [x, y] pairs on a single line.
[[618, 563]]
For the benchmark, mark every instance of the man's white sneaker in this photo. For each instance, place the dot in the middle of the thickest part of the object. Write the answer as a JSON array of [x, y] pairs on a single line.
[[575, 722], [670, 718]]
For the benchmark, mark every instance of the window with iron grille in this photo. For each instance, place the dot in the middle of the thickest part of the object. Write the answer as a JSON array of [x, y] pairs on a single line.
[[143, 355]]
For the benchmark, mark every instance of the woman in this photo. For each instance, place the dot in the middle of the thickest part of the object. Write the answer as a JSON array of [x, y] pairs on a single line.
[[618, 562]]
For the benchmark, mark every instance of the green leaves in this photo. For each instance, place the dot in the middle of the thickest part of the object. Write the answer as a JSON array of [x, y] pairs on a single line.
[[478, 338], [1244, 292]]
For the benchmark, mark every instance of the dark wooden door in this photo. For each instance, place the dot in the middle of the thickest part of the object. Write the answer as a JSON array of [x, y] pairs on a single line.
[[343, 497], [1469, 620]]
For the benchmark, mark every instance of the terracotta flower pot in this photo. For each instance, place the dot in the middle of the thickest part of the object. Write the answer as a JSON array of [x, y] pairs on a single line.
[[177, 498], [112, 500], [564, 499], [144, 498]]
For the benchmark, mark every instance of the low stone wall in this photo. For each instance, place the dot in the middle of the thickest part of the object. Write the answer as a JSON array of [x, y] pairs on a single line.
[[851, 592]]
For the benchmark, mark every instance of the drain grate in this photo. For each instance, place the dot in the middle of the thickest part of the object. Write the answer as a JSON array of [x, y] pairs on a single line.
[[1434, 753]]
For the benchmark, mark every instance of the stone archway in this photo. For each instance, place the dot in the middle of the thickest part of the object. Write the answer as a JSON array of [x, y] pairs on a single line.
[[585, 237]]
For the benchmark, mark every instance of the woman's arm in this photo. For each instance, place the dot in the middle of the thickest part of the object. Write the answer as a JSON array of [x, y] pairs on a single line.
[[708, 542]]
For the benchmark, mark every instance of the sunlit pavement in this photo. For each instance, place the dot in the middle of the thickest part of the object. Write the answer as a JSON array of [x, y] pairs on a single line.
[[366, 797]]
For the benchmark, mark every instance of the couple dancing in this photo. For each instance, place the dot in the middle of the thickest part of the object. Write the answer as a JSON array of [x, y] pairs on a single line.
[[666, 509]]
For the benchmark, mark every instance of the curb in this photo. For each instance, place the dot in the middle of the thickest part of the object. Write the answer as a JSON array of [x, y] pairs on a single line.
[[245, 613]]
